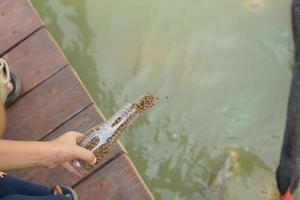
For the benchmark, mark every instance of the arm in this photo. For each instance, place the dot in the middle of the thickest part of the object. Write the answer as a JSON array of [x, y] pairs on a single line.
[[24, 154], [20, 154]]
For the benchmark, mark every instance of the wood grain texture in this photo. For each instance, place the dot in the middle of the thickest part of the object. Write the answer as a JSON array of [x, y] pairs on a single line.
[[18, 20], [2, 1], [116, 181], [46, 107], [53, 102], [83, 121], [35, 59]]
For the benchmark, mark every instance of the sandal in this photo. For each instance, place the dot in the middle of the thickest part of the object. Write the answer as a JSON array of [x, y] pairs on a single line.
[[66, 191], [12, 97]]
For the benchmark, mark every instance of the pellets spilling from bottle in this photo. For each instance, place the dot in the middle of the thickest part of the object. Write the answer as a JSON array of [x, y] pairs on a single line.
[[122, 121], [146, 102]]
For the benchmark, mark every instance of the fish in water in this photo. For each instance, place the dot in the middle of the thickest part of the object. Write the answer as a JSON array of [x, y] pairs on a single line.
[[230, 166], [255, 5]]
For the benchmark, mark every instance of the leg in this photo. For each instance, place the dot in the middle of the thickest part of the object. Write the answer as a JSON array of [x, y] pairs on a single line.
[[4, 79], [10, 84], [11, 186], [24, 197]]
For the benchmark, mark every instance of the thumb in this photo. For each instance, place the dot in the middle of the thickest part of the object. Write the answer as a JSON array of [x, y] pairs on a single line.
[[84, 154]]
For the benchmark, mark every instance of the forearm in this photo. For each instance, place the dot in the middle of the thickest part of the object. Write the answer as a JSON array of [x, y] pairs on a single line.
[[23, 154]]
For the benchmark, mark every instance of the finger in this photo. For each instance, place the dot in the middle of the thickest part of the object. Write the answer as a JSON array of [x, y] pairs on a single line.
[[85, 155], [71, 169], [79, 140], [76, 136]]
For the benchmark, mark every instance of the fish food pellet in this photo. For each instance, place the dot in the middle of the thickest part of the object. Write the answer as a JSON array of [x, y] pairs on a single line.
[[146, 102], [117, 121], [92, 144]]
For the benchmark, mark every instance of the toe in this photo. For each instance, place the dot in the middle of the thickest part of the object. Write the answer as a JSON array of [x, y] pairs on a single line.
[[10, 88]]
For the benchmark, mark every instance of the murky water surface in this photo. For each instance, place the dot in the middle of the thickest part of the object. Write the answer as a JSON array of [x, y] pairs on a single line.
[[222, 69]]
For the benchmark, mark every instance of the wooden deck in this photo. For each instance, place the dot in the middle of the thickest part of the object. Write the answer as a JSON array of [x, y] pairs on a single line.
[[54, 101]]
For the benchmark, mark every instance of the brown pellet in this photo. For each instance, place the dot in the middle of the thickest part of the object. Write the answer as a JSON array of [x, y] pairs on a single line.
[[116, 121], [146, 102], [92, 143]]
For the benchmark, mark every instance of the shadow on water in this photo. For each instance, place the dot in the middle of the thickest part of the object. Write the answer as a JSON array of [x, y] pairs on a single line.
[[77, 44]]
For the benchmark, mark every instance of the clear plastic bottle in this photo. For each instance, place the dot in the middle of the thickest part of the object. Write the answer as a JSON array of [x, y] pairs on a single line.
[[100, 138]]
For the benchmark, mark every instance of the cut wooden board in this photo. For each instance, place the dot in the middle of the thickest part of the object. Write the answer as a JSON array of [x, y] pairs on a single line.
[[54, 101], [18, 20], [83, 121], [116, 181], [46, 107], [35, 59], [2, 1]]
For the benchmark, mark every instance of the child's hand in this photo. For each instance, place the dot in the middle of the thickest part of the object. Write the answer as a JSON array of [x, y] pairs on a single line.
[[66, 149]]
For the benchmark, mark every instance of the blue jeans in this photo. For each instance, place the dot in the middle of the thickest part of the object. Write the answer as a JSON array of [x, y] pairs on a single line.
[[15, 189]]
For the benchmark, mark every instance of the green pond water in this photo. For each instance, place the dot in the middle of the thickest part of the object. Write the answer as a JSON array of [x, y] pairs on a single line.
[[221, 68]]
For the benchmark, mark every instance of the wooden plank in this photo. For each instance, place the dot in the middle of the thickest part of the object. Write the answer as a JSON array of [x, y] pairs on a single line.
[[85, 120], [46, 107], [35, 59], [54, 101], [2, 1], [117, 180], [18, 20]]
